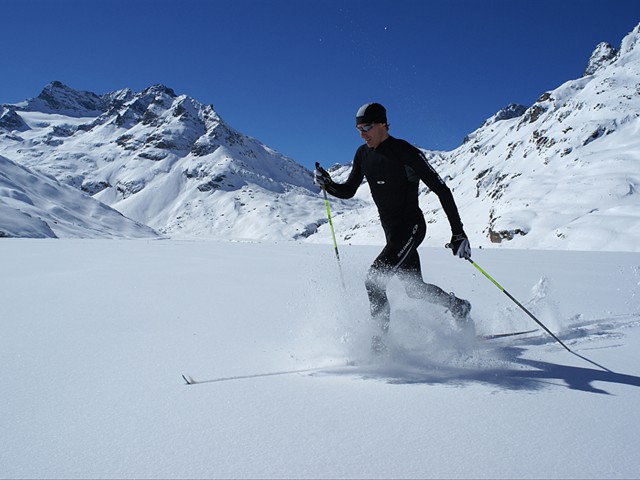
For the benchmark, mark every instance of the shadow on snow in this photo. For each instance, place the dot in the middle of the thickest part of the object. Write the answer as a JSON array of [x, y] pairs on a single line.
[[514, 373]]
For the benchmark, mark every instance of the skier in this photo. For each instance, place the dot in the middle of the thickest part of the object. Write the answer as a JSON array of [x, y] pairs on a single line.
[[393, 168]]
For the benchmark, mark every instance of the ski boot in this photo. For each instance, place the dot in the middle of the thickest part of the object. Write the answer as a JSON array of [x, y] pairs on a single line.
[[459, 308]]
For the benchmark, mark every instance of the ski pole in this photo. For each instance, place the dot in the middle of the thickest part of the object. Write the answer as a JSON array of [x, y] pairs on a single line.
[[333, 233], [533, 317], [501, 288]]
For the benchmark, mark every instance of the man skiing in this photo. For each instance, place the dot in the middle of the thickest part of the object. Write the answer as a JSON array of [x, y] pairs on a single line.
[[393, 168]]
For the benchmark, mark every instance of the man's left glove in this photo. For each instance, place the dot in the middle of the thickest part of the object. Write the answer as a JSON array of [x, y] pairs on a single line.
[[321, 177], [460, 246]]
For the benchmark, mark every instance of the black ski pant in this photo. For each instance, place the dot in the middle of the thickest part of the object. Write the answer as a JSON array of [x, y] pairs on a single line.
[[400, 257]]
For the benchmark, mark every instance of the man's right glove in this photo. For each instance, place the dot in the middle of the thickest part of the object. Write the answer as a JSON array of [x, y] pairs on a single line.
[[321, 177], [460, 246]]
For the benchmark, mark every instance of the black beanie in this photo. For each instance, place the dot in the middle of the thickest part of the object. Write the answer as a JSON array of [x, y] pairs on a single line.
[[371, 113]]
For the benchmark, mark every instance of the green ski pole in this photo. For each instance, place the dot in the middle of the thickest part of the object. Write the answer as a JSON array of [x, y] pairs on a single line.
[[532, 316], [517, 303], [333, 233]]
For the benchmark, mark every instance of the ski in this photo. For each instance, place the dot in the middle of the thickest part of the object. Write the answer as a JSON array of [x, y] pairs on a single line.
[[190, 380], [503, 335]]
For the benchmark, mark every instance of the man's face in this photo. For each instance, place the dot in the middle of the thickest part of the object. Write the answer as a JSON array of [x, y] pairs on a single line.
[[373, 133]]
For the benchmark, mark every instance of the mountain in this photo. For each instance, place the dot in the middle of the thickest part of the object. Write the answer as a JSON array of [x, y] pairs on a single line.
[[36, 206], [563, 174], [164, 160], [57, 98], [559, 174]]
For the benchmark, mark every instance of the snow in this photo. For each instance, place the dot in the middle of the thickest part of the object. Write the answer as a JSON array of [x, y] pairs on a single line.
[[38, 206], [97, 334]]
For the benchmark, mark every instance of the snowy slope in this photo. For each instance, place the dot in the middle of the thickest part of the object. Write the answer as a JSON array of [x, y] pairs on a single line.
[[92, 370], [36, 206], [564, 174]]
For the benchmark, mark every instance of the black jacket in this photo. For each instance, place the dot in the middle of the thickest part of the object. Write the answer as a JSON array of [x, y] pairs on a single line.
[[393, 171]]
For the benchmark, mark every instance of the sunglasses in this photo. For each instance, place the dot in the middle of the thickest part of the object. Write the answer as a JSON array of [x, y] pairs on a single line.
[[365, 128]]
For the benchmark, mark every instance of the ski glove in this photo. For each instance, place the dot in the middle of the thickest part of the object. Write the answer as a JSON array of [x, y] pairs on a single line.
[[460, 246], [321, 177]]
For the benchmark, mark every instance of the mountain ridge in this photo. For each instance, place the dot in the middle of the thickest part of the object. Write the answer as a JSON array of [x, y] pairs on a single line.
[[132, 145], [558, 174]]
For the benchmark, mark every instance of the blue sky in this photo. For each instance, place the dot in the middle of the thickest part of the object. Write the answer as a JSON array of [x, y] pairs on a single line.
[[292, 73]]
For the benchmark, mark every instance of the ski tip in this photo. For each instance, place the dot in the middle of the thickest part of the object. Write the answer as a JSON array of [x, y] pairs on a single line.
[[189, 380]]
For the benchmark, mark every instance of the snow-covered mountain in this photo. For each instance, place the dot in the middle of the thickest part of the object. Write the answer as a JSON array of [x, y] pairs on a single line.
[[164, 160], [561, 173], [565, 173], [36, 206]]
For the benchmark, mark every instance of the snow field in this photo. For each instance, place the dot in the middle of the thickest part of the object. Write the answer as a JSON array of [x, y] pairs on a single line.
[[97, 335]]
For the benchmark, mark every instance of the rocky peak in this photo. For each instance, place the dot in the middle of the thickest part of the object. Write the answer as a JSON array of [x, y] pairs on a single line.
[[631, 41], [59, 98], [10, 120], [512, 110], [115, 100], [603, 55], [159, 90]]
